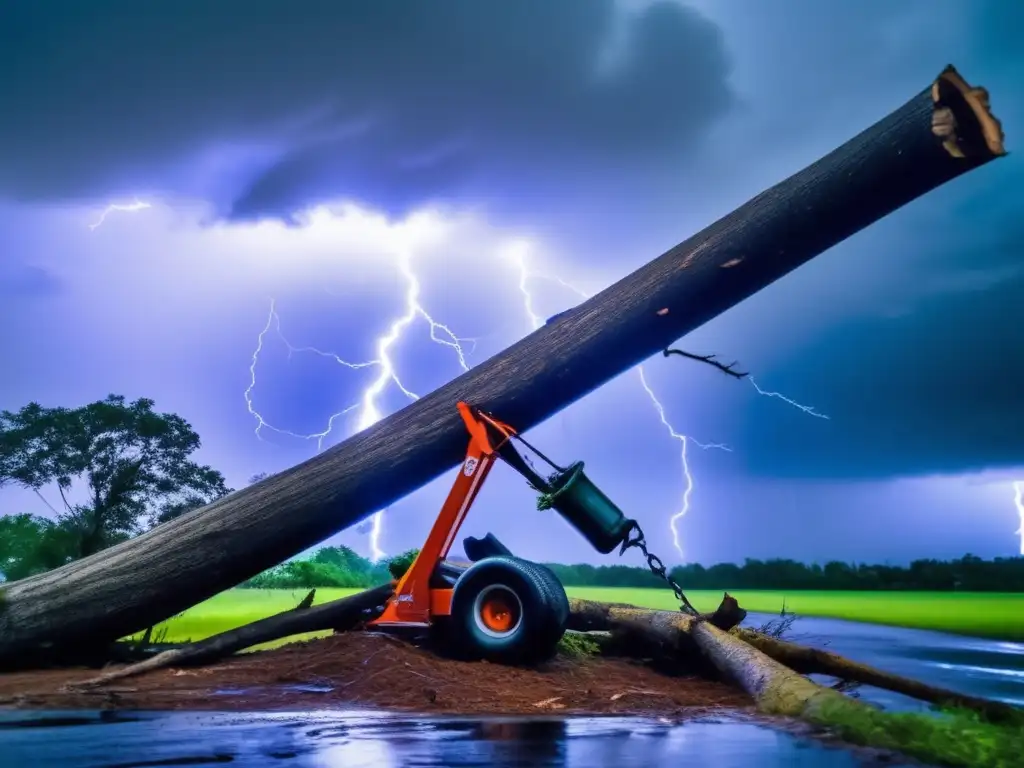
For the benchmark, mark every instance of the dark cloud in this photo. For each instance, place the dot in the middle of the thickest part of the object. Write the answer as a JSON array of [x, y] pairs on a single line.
[[19, 280], [931, 383], [392, 102]]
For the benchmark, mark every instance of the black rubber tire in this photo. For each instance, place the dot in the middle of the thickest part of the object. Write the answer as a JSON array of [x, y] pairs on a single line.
[[541, 623], [559, 599]]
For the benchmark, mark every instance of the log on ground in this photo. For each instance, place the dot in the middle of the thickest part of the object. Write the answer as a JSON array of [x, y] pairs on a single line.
[[591, 615], [936, 136], [813, 661], [340, 615], [660, 637], [778, 690], [673, 632]]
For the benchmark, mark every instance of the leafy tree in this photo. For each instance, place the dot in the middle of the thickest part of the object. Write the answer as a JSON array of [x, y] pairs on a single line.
[[399, 564], [344, 559], [19, 537], [134, 462], [31, 544]]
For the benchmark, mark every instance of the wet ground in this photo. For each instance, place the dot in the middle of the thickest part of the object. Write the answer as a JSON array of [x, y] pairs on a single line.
[[376, 740], [988, 668], [372, 669], [320, 736]]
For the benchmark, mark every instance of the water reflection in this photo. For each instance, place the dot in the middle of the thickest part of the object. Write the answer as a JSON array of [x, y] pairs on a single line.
[[377, 740], [988, 668]]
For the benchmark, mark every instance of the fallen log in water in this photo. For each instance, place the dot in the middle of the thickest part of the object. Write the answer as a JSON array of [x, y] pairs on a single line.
[[938, 135], [778, 690], [676, 631], [339, 615], [812, 661]]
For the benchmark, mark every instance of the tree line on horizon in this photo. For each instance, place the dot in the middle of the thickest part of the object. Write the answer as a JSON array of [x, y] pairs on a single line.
[[340, 566], [134, 466]]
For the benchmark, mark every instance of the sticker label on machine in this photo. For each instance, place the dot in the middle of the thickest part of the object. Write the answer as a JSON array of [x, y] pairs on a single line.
[[469, 467]]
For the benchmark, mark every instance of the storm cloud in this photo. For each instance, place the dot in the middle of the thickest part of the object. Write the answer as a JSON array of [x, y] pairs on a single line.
[[601, 130], [267, 107], [927, 379]]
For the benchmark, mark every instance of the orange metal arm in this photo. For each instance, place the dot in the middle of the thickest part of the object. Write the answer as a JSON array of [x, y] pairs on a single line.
[[411, 604]]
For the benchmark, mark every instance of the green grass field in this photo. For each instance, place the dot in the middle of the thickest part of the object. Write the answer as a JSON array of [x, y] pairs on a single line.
[[982, 614], [986, 614]]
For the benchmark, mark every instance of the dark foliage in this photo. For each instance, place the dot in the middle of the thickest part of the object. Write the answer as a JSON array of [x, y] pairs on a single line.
[[966, 574], [130, 464]]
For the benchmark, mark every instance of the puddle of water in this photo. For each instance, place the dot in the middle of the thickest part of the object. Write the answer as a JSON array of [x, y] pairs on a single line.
[[300, 688], [357, 739], [379, 740]]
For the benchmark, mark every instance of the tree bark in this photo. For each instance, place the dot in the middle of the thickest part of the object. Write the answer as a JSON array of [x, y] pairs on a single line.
[[812, 661], [939, 134], [590, 615], [340, 615], [675, 633], [778, 690]]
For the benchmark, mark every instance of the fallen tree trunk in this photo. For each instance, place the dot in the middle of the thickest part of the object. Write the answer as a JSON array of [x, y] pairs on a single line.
[[674, 631], [941, 133], [590, 615], [812, 661], [778, 690], [340, 615]]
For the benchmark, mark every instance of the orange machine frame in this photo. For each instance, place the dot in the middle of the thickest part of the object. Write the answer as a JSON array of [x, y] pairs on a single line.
[[414, 602]]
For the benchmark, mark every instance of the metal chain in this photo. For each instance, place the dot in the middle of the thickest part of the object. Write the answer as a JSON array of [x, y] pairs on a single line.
[[636, 540]]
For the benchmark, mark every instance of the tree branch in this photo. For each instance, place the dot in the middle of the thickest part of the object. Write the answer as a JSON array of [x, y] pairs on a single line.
[[42, 498], [64, 499], [710, 360]]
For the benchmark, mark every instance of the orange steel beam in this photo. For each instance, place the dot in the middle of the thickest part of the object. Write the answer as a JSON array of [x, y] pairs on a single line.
[[414, 603]]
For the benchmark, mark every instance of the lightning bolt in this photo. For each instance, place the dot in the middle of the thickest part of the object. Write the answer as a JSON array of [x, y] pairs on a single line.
[[387, 375], [133, 207], [517, 253], [805, 408], [1018, 499]]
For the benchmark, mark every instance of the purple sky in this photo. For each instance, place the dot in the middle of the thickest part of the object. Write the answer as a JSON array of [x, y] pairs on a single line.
[[296, 158]]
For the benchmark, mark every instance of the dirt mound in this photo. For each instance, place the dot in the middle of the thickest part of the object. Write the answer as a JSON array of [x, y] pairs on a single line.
[[371, 669]]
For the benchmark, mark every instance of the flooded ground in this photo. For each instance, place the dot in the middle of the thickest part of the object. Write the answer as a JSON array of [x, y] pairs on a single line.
[[320, 737], [988, 668], [376, 740]]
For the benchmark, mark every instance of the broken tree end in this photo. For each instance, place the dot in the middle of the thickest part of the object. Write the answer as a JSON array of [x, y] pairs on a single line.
[[963, 118]]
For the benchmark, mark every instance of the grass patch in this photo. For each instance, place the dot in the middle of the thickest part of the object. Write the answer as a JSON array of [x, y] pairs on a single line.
[[237, 607], [957, 738], [576, 645], [994, 615], [982, 614]]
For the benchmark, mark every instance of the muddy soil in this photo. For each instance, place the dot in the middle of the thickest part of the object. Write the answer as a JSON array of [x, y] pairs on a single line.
[[370, 669]]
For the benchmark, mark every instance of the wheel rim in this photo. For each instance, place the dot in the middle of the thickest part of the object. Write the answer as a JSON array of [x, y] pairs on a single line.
[[497, 611]]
